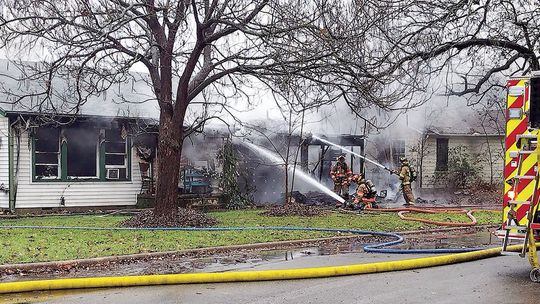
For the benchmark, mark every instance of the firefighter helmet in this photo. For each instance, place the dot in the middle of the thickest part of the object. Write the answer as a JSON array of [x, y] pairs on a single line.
[[341, 157], [403, 159]]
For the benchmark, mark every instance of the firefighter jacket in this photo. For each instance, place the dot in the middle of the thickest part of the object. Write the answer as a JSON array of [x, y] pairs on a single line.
[[340, 171], [405, 174], [362, 190]]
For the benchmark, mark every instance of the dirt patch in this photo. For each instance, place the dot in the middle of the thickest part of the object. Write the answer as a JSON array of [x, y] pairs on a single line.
[[295, 209], [185, 218]]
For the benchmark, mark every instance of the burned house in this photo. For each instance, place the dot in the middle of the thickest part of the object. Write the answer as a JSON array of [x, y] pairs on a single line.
[[56, 152], [73, 161]]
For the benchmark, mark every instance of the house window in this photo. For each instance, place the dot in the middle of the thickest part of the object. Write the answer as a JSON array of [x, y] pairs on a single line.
[[47, 153], [116, 155], [442, 155], [81, 153], [82, 161]]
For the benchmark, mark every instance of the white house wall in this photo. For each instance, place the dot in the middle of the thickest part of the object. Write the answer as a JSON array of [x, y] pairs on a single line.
[[76, 194], [476, 147], [4, 161]]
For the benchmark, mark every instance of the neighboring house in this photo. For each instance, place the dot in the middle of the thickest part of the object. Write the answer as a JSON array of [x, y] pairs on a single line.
[[477, 139], [440, 146]]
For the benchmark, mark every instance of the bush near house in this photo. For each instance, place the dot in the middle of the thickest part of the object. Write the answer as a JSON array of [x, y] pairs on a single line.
[[463, 169]]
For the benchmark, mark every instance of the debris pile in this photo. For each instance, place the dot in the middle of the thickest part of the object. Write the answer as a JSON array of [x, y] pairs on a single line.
[[313, 198], [185, 218]]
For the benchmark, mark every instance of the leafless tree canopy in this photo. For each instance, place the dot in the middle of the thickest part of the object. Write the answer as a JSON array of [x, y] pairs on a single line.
[[312, 52], [206, 52], [309, 52], [474, 44]]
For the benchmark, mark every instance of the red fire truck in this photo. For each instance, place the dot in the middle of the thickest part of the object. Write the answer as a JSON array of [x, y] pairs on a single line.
[[521, 188]]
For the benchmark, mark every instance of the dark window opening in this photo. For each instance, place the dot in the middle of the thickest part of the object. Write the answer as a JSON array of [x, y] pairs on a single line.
[[116, 154], [47, 153], [398, 151], [442, 155], [81, 152], [534, 111]]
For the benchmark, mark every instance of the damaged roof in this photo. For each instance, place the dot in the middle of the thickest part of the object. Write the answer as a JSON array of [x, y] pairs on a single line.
[[131, 98]]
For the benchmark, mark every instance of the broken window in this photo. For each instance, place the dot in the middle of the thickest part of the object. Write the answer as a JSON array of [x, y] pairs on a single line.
[[82, 158], [116, 154], [81, 152], [47, 153], [442, 155]]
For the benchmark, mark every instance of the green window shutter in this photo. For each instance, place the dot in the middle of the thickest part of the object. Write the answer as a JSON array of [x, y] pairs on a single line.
[[63, 160], [128, 144], [102, 170]]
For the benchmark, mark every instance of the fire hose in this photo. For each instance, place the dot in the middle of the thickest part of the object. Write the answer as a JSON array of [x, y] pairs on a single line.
[[402, 211], [459, 255], [249, 276]]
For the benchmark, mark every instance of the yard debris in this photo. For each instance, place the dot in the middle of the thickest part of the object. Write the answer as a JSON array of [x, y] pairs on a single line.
[[185, 218], [313, 198], [295, 209], [484, 195]]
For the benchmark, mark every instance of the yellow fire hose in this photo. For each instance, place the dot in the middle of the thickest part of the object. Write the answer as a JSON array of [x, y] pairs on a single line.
[[247, 276]]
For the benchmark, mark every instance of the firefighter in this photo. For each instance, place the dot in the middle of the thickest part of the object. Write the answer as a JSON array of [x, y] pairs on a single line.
[[406, 175], [341, 175], [365, 193]]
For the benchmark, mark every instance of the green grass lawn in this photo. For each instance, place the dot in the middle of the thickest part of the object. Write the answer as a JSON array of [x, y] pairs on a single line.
[[35, 245]]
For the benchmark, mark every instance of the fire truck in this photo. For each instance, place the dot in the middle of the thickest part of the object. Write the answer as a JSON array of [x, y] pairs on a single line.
[[521, 222]]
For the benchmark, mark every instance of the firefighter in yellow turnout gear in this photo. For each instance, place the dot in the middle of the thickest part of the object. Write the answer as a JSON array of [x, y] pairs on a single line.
[[341, 175], [365, 192], [406, 175]]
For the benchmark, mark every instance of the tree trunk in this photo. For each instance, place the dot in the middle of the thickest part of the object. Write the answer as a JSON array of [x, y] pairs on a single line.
[[169, 155]]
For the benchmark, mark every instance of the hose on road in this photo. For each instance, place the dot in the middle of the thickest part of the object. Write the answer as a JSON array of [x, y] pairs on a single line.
[[459, 255], [247, 276]]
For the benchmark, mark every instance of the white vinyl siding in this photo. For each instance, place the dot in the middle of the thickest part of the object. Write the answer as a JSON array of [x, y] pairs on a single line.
[[4, 161]]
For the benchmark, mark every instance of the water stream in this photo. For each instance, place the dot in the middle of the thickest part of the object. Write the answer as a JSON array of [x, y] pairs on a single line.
[[299, 173], [351, 152]]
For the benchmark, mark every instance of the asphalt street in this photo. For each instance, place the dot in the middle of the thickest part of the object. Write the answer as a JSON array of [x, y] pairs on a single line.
[[497, 280]]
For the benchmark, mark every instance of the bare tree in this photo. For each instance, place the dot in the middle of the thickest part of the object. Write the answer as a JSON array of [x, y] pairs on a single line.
[[188, 47], [199, 54], [465, 44]]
